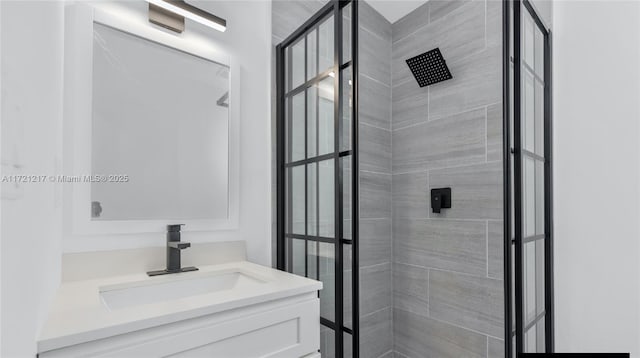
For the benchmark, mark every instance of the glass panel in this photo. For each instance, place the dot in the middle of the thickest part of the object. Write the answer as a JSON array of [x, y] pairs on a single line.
[[297, 127], [528, 197], [326, 199], [327, 276], [297, 200], [345, 122], [539, 53], [298, 257], [540, 264], [312, 122], [346, 33], [347, 285], [297, 61], [529, 284], [533, 196], [326, 112], [326, 44], [528, 111], [327, 342], [528, 36], [312, 54], [539, 118], [540, 329], [513, 285], [312, 259], [346, 196], [312, 199], [530, 340], [348, 345]]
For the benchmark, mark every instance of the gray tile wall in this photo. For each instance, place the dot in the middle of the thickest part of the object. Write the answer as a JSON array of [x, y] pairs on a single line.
[[376, 291], [447, 268]]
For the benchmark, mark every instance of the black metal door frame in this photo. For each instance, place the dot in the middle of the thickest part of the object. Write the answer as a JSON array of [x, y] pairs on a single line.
[[284, 238], [517, 151]]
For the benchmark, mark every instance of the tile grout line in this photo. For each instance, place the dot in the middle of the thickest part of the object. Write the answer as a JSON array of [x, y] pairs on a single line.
[[428, 292], [455, 325], [447, 116], [376, 80], [487, 337], [450, 167], [376, 127], [445, 270], [486, 134], [487, 248]]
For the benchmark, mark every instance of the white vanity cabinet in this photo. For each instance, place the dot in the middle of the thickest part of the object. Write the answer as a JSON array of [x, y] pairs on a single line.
[[278, 317], [282, 328]]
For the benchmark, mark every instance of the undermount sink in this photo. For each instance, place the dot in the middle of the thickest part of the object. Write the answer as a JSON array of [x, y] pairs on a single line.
[[150, 291]]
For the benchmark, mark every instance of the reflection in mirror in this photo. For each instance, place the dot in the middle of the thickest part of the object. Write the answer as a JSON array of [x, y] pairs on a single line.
[[159, 131]]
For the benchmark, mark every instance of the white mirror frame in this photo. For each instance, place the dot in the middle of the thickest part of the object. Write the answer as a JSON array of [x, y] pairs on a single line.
[[78, 76]]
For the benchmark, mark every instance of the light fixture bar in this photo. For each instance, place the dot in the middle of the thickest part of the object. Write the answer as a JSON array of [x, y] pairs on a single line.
[[179, 7]]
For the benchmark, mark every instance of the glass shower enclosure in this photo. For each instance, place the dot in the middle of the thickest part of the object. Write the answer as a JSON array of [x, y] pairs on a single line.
[[360, 147], [317, 185]]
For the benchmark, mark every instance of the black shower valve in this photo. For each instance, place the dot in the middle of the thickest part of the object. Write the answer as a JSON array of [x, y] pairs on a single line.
[[440, 199]]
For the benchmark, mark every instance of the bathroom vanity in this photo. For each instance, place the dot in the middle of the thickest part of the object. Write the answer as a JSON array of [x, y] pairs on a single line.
[[152, 128], [230, 309]]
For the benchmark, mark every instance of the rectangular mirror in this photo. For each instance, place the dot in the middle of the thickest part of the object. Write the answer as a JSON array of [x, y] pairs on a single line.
[[159, 133]]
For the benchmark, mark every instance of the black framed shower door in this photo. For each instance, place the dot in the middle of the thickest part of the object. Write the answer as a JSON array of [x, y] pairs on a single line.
[[528, 224], [317, 166]]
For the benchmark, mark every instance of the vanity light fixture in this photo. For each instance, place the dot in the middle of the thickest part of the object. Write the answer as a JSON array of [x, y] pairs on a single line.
[[170, 14]]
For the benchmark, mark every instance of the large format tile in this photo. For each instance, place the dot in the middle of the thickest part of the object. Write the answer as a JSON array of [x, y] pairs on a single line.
[[411, 22], [476, 191], [442, 8], [459, 34], [287, 16], [409, 104], [496, 348], [421, 337], [444, 244], [375, 288], [467, 301], [375, 195], [494, 23], [410, 288], [410, 195], [376, 334], [496, 249], [371, 20], [375, 56], [476, 82], [375, 149], [455, 140], [374, 103], [494, 132], [374, 241]]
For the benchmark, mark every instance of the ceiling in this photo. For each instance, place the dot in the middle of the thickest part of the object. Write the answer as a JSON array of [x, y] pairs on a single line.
[[393, 10]]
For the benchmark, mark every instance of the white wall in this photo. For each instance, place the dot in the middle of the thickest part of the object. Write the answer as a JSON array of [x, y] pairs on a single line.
[[597, 175], [31, 49], [247, 39]]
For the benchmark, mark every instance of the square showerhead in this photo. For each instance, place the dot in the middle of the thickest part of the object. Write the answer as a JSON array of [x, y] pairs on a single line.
[[429, 68]]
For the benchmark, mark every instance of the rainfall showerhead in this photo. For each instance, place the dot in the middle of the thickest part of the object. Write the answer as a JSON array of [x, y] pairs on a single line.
[[429, 68]]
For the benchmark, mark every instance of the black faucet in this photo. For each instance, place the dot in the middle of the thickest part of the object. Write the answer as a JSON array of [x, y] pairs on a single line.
[[174, 245]]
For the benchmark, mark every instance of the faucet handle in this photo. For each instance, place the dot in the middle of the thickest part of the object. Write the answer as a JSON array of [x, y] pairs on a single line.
[[174, 227], [179, 245]]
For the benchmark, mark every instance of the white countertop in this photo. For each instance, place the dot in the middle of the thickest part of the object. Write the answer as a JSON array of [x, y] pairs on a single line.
[[78, 314]]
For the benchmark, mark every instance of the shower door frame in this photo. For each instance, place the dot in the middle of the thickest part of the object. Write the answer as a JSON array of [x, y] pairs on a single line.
[[283, 239], [519, 333]]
